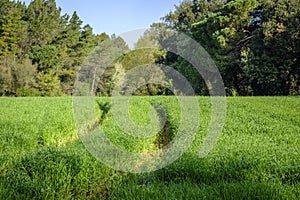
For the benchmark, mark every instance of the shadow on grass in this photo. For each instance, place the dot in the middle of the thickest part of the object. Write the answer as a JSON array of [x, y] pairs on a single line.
[[53, 173], [57, 173], [60, 173], [212, 178]]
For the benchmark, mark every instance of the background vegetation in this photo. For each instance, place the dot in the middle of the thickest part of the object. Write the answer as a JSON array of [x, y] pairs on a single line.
[[42, 49]]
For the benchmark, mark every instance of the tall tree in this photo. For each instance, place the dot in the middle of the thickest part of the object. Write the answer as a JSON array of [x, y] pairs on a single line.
[[48, 65], [189, 12], [224, 34], [272, 61], [11, 25], [70, 51], [44, 46], [44, 19]]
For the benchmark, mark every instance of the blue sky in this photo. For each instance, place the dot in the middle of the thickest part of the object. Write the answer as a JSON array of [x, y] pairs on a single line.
[[117, 16]]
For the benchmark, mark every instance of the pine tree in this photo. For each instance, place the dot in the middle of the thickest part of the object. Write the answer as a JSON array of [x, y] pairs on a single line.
[[44, 20], [10, 27]]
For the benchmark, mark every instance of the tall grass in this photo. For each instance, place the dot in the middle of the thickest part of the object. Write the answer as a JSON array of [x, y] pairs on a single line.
[[256, 157]]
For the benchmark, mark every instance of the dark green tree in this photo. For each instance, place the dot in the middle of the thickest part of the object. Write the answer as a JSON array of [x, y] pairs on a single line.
[[44, 20], [224, 35], [11, 27], [48, 66], [272, 61], [189, 12]]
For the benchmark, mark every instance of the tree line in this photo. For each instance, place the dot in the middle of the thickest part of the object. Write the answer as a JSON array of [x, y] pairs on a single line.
[[261, 60], [42, 50]]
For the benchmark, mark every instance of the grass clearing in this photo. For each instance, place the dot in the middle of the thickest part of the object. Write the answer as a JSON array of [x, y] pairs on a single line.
[[256, 157]]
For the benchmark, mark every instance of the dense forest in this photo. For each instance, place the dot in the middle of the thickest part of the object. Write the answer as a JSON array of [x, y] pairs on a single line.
[[254, 43]]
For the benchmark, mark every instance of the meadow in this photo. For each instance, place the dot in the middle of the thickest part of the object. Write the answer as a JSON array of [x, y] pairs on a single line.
[[257, 156]]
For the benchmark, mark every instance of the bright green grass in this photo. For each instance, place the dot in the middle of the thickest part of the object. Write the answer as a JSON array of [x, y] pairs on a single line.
[[257, 155]]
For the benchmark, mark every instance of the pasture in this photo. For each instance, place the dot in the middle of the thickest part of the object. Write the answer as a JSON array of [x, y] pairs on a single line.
[[257, 156]]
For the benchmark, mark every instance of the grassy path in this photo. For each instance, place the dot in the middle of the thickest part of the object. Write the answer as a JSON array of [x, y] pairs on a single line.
[[256, 157]]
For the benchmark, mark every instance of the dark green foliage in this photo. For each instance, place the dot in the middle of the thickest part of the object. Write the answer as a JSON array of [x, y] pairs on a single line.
[[46, 57], [53, 170], [42, 50], [44, 21], [11, 27], [253, 61], [189, 12], [224, 35], [272, 60], [42, 46]]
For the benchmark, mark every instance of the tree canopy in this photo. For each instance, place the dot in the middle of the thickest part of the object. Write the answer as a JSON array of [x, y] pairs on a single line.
[[254, 43], [253, 60]]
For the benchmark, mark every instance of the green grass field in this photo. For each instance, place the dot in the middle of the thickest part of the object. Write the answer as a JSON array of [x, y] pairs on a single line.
[[257, 155]]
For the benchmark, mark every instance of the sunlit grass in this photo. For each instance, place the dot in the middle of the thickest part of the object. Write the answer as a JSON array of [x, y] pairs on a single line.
[[256, 157]]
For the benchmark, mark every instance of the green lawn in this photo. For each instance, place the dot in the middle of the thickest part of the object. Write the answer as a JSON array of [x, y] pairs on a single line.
[[257, 155]]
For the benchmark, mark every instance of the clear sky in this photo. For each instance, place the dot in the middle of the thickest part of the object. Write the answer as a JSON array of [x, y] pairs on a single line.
[[117, 16]]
